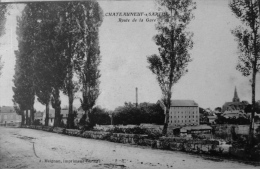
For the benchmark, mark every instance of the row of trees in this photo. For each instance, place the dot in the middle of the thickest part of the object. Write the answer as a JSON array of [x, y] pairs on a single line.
[[128, 114], [58, 50]]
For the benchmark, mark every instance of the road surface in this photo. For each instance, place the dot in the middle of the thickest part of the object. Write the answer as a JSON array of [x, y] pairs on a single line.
[[28, 148]]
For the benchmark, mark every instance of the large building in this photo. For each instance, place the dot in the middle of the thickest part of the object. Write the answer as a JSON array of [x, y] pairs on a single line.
[[235, 105], [184, 113], [8, 116]]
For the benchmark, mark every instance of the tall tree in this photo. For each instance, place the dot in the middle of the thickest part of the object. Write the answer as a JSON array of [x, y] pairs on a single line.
[[89, 52], [51, 64], [80, 22], [247, 36], [70, 32], [24, 93], [174, 43], [3, 11]]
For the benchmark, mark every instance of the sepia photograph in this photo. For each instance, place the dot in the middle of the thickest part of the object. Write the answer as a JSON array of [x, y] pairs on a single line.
[[130, 84]]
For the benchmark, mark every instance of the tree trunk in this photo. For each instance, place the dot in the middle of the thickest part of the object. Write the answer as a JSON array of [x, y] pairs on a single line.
[[22, 120], [57, 117], [32, 115], [251, 127], [165, 126], [27, 120], [57, 107], [47, 115], [70, 119], [70, 87]]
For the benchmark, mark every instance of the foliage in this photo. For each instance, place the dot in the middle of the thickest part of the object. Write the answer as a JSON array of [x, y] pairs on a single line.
[[219, 109], [144, 113], [99, 116], [23, 88], [174, 43], [247, 36], [3, 11], [90, 53], [57, 40]]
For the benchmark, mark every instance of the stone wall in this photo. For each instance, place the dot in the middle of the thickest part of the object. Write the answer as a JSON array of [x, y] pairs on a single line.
[[169, 143], [239, 129]]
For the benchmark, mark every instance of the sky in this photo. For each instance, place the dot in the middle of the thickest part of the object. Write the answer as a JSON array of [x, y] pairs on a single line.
[[124, 46]]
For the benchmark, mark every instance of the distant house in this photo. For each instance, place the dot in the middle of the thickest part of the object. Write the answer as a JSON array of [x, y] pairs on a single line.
[[212, 118], [8, 116], [200, 129], [64, 112], [234, 114], [39, 116]]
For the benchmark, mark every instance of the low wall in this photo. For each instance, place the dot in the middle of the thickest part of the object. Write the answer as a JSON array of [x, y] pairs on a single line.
[[170, 143], [191, 145]]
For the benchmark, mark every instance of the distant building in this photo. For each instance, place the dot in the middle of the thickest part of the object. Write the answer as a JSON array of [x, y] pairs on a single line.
[[8, 116], [234, 114], [235, 104], [183, 113], [64, 112], [200, 129], [39, 116], [212, 119]]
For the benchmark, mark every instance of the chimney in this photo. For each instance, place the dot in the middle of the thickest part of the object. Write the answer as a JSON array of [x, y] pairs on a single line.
[[136, 89]]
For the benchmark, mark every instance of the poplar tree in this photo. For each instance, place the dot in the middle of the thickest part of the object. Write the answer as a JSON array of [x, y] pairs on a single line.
[[174, 43], [79, 24], [89, 51], [248, 39], [24, 92]]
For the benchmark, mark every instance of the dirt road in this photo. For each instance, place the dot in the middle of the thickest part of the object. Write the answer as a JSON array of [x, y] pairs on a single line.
[[27, 148]]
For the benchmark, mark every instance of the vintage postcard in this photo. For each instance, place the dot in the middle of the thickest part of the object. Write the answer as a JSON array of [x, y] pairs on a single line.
[[129, 84]]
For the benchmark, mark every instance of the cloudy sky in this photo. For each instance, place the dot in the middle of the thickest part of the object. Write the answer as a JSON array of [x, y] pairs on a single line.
[[210, 81]]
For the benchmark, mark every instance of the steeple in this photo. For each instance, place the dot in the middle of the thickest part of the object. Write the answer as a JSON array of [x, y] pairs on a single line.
[[236, 98]]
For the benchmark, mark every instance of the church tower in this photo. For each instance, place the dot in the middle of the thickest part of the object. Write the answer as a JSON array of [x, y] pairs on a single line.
[[236, 98]]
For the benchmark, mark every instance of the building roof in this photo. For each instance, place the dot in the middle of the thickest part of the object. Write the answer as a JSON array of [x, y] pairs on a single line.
[[7, 109], [183, 103], [234, 113], [200, 127]]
